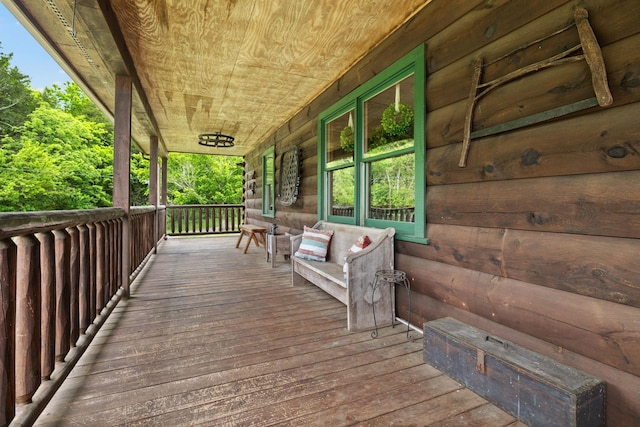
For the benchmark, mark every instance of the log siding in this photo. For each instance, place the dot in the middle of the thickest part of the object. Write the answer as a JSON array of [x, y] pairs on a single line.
[[536, 239]]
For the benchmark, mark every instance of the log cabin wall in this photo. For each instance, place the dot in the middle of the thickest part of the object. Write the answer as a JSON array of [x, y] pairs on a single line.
[[537, 238]]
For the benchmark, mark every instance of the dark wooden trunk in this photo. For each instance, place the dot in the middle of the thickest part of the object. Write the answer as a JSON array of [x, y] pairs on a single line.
[[533, 388]]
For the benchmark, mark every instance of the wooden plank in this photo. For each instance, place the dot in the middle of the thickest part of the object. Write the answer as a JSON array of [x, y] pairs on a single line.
[[567, 262], [596, 204], [450, 84], [540, 92], [603, 141], [483, 25], [606, 335], [354, 403], [484, 415], [242, 353]]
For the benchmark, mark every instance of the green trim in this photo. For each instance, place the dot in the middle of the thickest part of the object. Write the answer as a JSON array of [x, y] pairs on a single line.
[[414, 63]]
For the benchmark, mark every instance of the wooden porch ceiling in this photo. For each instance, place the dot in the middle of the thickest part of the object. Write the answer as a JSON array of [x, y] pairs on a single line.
[[199, 344], [241, 67]]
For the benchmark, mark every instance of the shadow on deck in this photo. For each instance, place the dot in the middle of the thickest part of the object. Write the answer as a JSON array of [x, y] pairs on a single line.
[[214, 337]]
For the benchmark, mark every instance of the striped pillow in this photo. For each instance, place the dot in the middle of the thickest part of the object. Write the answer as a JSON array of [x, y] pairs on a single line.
[[315, 244]]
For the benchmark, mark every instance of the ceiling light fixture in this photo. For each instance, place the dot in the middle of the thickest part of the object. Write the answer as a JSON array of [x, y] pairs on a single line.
[[216, 139]]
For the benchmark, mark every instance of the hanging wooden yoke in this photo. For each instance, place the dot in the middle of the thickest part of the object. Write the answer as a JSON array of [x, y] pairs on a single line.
[[591, 53]]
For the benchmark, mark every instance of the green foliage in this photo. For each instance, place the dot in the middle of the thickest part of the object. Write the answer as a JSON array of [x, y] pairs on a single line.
[[347, 139], [393, 182], [343, 190], [72, 100], [56, 152], [17, 99], [57, 161], [397, 120], [204, 179]]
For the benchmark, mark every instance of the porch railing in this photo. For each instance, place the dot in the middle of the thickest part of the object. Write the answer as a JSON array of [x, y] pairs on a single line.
[[60, 277], [204, 219], [390, 214]]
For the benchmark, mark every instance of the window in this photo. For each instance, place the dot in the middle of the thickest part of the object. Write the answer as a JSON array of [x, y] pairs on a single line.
[[268, 183], [372, 149]]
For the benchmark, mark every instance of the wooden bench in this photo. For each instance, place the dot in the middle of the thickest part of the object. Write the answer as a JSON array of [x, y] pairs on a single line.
[[355, 289]]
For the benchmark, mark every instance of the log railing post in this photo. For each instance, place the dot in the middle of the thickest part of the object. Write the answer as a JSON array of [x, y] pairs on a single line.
[[100, 267], [63, 291], [92, 271], [84, 319], [74, 285], [111, 257], [7, 331], [47, 303], [27, 318]]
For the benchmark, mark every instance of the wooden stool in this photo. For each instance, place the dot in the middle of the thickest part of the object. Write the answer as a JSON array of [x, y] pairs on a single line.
[[251, 231]]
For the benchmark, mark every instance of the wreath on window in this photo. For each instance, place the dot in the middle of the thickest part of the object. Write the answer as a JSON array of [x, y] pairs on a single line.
[[347, 139], [397, 122]]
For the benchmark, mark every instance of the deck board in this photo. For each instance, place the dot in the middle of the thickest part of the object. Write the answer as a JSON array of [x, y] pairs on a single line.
[[214, 337]]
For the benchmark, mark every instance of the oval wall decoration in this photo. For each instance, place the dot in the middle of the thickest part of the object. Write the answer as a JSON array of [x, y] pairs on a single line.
[[289, 176]]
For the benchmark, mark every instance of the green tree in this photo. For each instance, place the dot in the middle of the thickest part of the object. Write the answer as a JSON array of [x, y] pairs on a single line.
[[71, 99], [63, 162], [204, 179]]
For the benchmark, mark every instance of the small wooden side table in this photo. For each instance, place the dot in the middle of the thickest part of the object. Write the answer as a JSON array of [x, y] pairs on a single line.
[[255, 233], [278, 244]]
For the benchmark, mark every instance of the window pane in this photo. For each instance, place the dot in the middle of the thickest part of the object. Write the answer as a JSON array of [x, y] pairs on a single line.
[[340, 139], [389, 119], [392, 188], [342, 192]]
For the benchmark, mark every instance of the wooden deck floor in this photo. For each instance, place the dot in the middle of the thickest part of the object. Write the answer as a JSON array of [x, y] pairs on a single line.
[[214, 337]]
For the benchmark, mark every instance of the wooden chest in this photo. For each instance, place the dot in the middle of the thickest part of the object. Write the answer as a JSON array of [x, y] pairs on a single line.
[[537, 390]]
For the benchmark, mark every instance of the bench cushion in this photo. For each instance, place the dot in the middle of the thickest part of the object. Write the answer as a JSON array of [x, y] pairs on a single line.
[[315, 244]]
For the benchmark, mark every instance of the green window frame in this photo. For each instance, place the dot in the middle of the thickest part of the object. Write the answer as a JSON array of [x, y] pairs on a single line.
[[359, 162], [269, 183]]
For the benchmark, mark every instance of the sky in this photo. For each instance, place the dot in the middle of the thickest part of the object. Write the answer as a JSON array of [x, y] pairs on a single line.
[[30, 58]]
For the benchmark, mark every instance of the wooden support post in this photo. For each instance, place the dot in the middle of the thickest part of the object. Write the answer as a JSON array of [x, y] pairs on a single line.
[[74, 285], [153, 187], [163, 195], [27, 318], [47, 303], [7, 331], [121, 168], [63, 291]]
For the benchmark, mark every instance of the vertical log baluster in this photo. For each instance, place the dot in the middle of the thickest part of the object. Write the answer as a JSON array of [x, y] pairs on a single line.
[[74, 285], [27, 318], [100, 267], [112, 262], [111, 258], [119, 244], [92, 271], [47, 303], [63, 291], [84, 279], [7, 331]]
